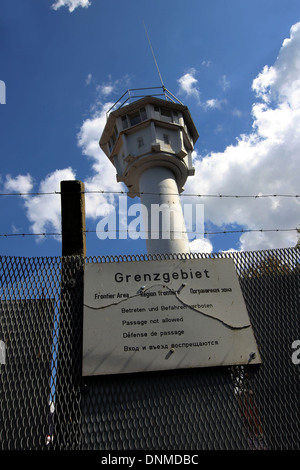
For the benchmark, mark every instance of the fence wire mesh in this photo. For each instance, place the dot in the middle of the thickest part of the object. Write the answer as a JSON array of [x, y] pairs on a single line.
[[45, 403]]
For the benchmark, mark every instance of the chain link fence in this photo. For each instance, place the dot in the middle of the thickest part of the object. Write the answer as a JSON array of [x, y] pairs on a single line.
[[45, 403]]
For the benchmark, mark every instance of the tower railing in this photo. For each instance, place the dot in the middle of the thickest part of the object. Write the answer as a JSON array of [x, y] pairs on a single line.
[[133, 94]]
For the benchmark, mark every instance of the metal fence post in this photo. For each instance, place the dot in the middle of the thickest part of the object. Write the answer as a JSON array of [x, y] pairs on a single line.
[[67, 434], [73, 218]]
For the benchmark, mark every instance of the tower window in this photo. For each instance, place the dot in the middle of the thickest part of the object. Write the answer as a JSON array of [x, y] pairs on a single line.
[[166, 139], [165, 112], [140, 142], [143, 114], [175, 117], [167, 115], [124, 122], [137, 117]]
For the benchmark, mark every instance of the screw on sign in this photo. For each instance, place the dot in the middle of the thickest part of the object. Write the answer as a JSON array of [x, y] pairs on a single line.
[[296, 353], [2, 352], [2, 92]]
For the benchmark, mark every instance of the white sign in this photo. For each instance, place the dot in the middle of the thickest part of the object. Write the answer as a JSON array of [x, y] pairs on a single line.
[[159, 315]]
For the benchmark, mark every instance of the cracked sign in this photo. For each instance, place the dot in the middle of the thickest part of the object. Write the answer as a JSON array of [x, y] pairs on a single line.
[[159, 315]]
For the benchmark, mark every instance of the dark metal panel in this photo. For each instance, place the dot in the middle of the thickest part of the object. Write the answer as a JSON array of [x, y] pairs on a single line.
[[26, 329]]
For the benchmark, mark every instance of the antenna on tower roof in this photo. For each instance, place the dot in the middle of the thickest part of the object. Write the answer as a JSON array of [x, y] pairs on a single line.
[[162, 83]]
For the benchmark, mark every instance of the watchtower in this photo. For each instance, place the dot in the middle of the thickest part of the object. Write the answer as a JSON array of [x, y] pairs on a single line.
[[150, 143]]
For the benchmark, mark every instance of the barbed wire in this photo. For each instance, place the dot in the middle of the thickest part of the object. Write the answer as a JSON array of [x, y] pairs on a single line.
[[55, 234], [221, 232], [100, 191]]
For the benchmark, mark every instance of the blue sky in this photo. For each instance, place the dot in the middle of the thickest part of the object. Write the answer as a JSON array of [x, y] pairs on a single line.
[[234, 63]]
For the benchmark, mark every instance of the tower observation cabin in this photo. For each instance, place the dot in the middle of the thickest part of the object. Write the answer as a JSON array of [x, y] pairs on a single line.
[[150, 143]]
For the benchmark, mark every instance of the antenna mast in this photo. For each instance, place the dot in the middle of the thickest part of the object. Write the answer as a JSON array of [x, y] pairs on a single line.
[[162, 83]]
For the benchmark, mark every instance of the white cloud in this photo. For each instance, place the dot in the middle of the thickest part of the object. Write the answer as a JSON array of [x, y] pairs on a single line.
[[266, 161], [71, 4], [188, 84], [282, 81], [44, 211], [224, 83], [19, 184], [236, 112], [201, 245], [105, 89], [213, 103], [206, 63], [263, 82], [88, 79], [110, 86], [104, 174]]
